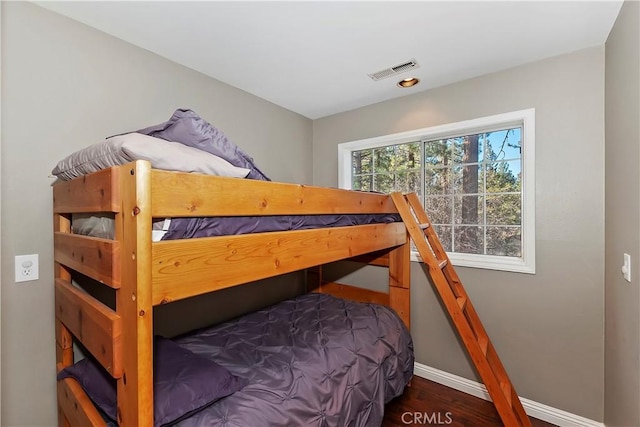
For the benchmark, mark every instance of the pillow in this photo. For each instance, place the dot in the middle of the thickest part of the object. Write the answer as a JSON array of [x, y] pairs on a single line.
[[186, 127], [183, 383], [162, 154]]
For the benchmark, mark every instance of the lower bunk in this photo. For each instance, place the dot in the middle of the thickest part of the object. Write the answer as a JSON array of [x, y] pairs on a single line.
[[312, 360]]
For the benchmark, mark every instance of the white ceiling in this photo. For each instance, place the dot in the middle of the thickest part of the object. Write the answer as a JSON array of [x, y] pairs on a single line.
[[313, 57]]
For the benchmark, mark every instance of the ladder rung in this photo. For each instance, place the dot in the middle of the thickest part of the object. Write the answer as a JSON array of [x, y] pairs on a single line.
[[424, 226], [442, 264], [462, 302], [506, 389], [483, 341]]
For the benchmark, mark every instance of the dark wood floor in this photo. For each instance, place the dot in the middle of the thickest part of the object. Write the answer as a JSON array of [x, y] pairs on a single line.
[[429, 403]]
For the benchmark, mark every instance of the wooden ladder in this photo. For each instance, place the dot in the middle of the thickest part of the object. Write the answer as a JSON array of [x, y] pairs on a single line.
[[464, 316]]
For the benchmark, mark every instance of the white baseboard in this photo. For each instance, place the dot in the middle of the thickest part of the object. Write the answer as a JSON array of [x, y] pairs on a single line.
[[533, 409]]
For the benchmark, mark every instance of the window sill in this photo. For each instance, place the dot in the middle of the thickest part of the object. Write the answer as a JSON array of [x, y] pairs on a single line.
[[487, 262]]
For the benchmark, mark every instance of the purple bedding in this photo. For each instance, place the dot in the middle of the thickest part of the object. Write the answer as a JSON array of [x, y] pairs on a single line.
[[315, 360], [184, 228], [187, 127]]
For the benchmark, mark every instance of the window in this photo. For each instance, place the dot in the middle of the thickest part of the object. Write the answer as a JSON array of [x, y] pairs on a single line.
[[475, 179]]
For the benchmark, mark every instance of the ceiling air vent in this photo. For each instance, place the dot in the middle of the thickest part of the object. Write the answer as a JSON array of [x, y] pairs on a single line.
[[396, 69]]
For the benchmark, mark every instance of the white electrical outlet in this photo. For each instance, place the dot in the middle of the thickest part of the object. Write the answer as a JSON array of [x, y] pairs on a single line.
[[26, 267]]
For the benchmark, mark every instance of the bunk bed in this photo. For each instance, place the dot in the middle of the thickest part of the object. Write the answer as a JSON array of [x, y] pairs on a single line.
[[143, 273]]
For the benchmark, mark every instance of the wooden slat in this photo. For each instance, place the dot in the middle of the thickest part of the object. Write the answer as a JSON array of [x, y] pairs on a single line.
[[64, 344], [400, 281], [93, 323], [91, 256], [474, 320], [61, 224], [63, 337], [183, 269], [506, 389], [400, 265], [176, 194], [133, 299], [354, 293], [442, 264], [400, 301], [97, 192], [64, 340], [64, 356], [483, 342], [76, 405], [462, 302]]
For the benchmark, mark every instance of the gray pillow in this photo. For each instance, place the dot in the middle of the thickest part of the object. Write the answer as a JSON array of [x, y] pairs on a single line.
[[162, 154], [186, 127], [183, 383]]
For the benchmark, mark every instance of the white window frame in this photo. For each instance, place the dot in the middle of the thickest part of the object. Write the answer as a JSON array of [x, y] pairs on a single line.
[[525, 118]]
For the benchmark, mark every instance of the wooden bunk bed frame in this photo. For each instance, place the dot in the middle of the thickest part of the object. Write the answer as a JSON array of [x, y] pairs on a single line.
[[145, 274]]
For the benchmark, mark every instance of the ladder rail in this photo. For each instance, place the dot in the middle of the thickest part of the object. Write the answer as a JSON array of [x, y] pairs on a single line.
[[461, 310]]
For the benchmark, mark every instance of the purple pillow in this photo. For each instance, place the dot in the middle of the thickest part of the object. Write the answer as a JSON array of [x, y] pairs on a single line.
[[183, 383], [186, 127]]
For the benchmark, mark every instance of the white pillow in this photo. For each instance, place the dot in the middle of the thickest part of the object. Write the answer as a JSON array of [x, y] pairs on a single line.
[[162, 154]]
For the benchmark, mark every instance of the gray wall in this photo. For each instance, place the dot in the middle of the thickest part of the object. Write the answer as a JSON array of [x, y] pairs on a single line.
[[548, 327], [64, 86], [622, 226]]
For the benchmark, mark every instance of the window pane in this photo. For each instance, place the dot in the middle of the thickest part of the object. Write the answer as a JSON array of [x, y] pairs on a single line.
[[407, 156], [505, 241], [439, 209], [504, 209], [437, 153], [384, 183], [467, 179], [468, 240], [444, 234], [504, 177], [504, 144], [407, 182], [467, 149], [361, 161], [362, 182], [468, 210], [437, 181], [384, 159]]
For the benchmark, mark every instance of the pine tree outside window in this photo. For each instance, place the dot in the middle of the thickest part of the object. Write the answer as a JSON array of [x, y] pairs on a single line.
[[475, 179]]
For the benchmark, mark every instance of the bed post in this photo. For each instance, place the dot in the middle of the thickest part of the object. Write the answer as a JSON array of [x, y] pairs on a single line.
[[400, 281], [133, 299], [64, 339]]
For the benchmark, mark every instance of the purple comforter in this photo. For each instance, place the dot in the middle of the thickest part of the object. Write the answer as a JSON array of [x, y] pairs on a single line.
[[315, 360], [185, 228]]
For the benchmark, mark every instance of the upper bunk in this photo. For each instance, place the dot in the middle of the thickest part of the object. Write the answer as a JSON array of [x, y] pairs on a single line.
[[135, 194]]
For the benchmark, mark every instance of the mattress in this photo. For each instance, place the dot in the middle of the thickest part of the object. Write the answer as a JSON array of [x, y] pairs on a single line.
[[185, 228], [313, 360]]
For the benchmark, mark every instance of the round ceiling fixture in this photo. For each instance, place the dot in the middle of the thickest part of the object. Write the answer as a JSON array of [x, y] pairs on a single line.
[[412, 81]]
